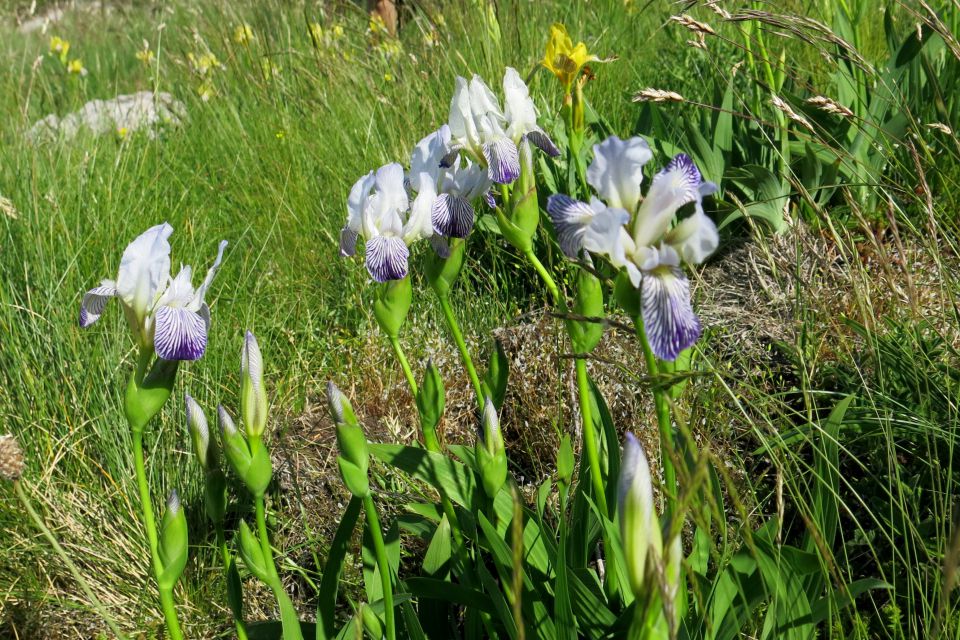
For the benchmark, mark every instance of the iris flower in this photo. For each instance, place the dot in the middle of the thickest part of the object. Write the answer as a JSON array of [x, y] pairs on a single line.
[[562, 58], [448, 191], [163, 311], [490, 135], [637, 234], [379, 209]]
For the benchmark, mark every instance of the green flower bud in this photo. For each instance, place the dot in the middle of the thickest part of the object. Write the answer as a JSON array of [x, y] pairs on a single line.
[[430, 404], [252, 553], [587, 302], [173, 542], [491, 453], [392, 305], [672, 571], [442, 273], [253, 393], [565, 461], [252, 465], [495, 382], [371, 622], [204, 446], [354, 458], [639, 526], [147, 392]]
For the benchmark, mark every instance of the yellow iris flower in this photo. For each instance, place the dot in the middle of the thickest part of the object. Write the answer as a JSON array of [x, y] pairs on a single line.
[[243, 35], [562, 58], [76, 67], [60, 48]]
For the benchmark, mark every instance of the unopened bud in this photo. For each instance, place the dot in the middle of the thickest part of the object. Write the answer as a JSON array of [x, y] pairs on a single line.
[[253, 392], [639, 527], [11, 459], [173, 542], [491, 453], [203, 445], [341, 411]]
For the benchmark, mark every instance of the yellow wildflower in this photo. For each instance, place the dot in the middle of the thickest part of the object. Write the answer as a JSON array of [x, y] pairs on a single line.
[[440, 21], [206, 90], [431, 38], [145, 55], [122, 133], [281, 134], [269, 69], [388, 77], [316, 34], [377, 25], [390, 48], [562, 58], [243, 34], [204, 63], [60, 48], [337, 31], [76, 67]]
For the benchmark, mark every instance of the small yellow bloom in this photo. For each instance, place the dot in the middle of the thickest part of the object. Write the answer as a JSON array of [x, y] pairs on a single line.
[[60, 48], [431, 38], [337, 31], [280, 134], [269, 69], [206, 90], [377, 25], [562, 58], [316, 34], [388, 77], [122, 133], [390, 48], [204, 63], [145, 56], [76, 67], [243, 34]]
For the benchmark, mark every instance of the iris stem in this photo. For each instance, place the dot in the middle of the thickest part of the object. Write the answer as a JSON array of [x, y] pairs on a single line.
[[166, 595], [373, 523], [667, 439], [405, 365], [230, 568], [544, 275], [74, 571], [462, 346], [590, 436], [291, 626]]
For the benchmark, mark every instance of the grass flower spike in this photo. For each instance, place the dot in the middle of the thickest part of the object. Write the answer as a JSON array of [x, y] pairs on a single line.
[[163, 311], [379, 209], [635, 234], [11, 459]]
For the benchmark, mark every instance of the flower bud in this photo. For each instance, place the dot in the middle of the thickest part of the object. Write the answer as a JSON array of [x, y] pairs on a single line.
[[252, 553], [11, 459], [519, 227], [204, 446], [148, 391], [565, 462], [490, 452], [340, 408], [672, 575], [392, 305], [639, 526], [173, 542], [495, 381], [587, 302], [253, 393], [430, 404], [354, 459], [370, 621], [253, 466]]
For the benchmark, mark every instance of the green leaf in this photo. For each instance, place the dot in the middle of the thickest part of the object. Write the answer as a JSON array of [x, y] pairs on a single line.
[[330, 583], [434, 469], [434, 589]]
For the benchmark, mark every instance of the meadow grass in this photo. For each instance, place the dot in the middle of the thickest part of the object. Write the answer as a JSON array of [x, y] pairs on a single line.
[[266, 163]]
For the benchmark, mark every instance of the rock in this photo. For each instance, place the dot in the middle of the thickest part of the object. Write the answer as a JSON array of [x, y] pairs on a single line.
[[122, 115]]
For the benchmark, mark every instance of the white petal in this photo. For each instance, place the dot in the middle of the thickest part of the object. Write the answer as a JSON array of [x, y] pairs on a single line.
[[463, 129], [94, 301], [676, 185], [208, 280], [570, 219], [179, 334], [520, 112], [668, 316], [251, 360], [617, 171], [427, 156], [695, 238], [482, 99], [144, 268], [420, 225]]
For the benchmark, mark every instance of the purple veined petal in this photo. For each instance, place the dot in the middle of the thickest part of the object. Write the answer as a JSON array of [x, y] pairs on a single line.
[[541, 140], [668, 316], [348, 242], [452, 216], [387, 258], [674, 186], [490, 199], [179, 334], [94, 301], [441, 245], [570, 219], [447, 161], [503, 160]]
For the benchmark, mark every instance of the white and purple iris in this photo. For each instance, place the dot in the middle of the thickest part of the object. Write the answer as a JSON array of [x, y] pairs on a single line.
[[163, 311], [637, 233], [449, 191], [491, 136], [379, 209]]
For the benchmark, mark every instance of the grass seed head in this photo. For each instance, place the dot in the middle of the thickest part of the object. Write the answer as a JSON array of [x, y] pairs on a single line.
[[11, 458]]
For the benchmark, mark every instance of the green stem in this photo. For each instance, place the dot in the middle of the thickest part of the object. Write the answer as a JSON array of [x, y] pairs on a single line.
[[288, 620], [74, 571], [544, 275], [590, 436], [667, 439], [373, 522], [405, 365], [166, 595], [229, 568], [462, 346]]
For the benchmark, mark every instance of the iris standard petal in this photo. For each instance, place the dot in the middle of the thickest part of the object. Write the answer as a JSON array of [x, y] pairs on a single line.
[[420, 224], [94, 301], [208, 279], [452, 216], [503, 160], [144, 268], [570, 219], [676, 185], [518, 107], [463, 129], [668, 317], [441, 245], [387, 258], [179, 334], [695, 238], [427, 156], [617, 171]]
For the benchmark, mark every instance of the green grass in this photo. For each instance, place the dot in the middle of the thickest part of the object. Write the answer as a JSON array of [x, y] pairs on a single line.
[[267, 163]]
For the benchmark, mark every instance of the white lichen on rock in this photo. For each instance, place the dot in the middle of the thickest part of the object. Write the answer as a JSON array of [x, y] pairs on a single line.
[[120, 116]]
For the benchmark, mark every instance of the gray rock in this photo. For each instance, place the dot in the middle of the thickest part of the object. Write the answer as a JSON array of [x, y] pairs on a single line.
[[126, 113]]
